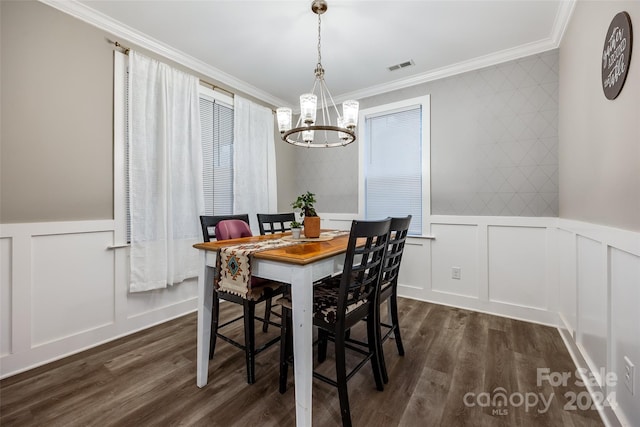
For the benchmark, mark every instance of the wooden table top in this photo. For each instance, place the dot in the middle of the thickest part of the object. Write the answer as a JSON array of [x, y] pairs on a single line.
[[299, 254]]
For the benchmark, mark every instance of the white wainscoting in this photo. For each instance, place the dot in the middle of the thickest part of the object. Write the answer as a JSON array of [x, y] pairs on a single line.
[[506, 266], [599, 309], [62, 290]]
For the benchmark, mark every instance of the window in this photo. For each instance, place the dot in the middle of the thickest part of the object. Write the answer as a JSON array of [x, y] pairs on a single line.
[[394, 160], [216, 116]]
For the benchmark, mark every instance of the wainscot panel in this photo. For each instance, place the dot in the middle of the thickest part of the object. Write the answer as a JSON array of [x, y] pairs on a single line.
[[63, 289]]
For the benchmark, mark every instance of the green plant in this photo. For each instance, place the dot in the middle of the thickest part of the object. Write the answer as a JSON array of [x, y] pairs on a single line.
[[305, 203], [296, 224]]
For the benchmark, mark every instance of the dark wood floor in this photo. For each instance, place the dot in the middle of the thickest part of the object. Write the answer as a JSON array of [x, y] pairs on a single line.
[[149, 379]]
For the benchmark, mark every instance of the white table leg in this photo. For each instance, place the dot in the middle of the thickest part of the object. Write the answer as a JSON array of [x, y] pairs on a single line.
[[205, 302], [301, 299]]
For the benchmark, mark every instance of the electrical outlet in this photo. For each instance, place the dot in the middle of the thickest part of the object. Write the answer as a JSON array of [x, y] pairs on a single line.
[[629, 372], [455, 273]]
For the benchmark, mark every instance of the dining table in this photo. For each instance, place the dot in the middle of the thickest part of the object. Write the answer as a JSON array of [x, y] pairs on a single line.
[[300, 265]]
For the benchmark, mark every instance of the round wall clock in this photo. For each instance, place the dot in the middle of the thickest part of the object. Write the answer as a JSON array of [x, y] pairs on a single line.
[[616, 55]]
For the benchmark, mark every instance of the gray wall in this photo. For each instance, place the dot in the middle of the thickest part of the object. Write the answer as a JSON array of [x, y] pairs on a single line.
[[494, 143], [57, 111], [285, 157], [56, 138], [56, 146], [599, 139]]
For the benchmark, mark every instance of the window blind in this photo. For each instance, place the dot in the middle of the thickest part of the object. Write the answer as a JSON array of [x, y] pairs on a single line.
[[393, 166], [217, 151]]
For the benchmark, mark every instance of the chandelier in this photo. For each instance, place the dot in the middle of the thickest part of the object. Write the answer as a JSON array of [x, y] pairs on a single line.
[[319, 132]]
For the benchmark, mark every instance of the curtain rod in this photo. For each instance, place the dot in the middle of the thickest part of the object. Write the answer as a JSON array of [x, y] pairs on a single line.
[[213, 86], [118, 45], [216, 87]]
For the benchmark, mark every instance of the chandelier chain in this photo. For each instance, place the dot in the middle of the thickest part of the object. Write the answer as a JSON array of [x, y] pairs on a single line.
[[319, 52]]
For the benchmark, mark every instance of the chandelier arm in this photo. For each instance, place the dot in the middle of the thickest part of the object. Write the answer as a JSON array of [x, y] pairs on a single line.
[[338, 115], [325, 107], [323, 104]]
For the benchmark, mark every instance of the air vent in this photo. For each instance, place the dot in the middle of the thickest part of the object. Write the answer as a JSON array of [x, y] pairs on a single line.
[[402, 65]]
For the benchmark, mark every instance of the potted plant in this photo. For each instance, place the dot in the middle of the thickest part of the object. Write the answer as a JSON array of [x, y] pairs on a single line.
[[296, 228], [305, 203]]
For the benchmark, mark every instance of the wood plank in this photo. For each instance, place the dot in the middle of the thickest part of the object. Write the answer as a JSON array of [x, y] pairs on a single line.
[[149, 379]]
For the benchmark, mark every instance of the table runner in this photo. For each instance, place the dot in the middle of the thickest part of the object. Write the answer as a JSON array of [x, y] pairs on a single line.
[[233, 265]]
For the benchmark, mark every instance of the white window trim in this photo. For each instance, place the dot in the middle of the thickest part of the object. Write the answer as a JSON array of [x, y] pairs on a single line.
[[119, 140], [425, 103], [218, 97]]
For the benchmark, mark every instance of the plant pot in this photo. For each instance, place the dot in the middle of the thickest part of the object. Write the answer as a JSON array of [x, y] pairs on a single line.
[[312, 226], [295, 232]]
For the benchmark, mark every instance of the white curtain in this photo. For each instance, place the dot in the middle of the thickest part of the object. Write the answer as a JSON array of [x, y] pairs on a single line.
[[254, 164], [165, 174]]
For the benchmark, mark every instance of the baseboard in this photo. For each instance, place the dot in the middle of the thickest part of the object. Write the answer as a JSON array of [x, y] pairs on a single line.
[[607, 412]]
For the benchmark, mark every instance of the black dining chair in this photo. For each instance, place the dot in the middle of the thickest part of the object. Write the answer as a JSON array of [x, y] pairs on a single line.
[[275, 223], [398, 231], [271, 224], [341, 302], [264, 290], [389, 287]]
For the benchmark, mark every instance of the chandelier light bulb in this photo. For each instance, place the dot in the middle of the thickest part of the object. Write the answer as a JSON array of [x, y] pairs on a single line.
[[284, 119], [307, 136], [350, 113], [343, 136], [308, 108]]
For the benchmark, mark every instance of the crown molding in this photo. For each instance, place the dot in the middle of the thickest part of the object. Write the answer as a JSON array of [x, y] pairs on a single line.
[[452, 70], [565, 10], [99, 20], [131, 35]]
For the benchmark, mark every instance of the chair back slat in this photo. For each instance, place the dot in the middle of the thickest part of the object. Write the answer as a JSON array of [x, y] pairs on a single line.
[[397, 238], [363, 264], [209, 222], [275, 223]]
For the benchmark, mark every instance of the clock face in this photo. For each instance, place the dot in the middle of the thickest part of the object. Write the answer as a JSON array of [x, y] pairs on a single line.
[[616, 55]]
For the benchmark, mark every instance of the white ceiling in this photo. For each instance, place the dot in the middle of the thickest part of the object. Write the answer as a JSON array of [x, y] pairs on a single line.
[[269, 48]]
